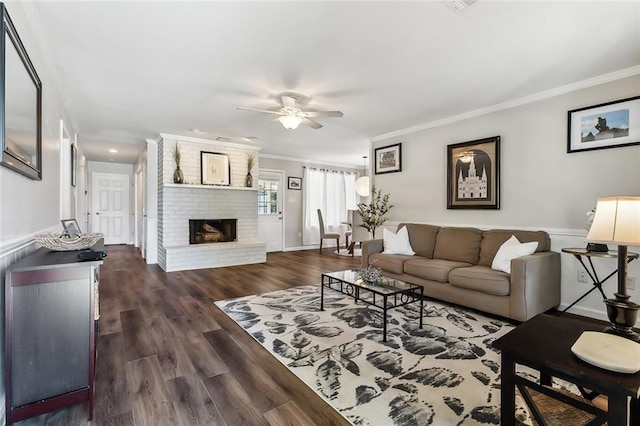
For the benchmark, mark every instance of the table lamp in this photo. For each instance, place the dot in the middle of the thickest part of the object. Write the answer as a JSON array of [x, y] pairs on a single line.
[[617, 221]]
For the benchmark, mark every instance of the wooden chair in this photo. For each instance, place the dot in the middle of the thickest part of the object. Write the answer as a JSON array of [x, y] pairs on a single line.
[[327, 235]]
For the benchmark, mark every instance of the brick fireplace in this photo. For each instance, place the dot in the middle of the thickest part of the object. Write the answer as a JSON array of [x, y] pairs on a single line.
[[182, 207]]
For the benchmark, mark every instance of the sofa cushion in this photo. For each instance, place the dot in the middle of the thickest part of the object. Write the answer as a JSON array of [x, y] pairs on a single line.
[[432, 269], [493, 239], [389, 262], [481, 278], [458, 244], [397, 243], [422, 238], [511, 249]]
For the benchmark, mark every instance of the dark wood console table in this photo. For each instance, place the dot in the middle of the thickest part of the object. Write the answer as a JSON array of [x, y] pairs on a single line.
[[51, 312], [544, 344]]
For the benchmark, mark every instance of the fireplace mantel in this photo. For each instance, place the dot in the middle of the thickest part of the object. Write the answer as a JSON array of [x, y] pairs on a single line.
[[226, 188]]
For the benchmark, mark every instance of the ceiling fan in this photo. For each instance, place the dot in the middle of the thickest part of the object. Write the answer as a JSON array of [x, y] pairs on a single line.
[[291, 116]]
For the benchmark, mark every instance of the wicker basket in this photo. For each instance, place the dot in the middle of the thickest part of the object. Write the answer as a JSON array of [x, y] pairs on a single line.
[[57, 242]]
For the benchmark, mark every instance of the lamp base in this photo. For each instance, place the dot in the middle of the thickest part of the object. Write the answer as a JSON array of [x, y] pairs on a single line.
[[623, 315]]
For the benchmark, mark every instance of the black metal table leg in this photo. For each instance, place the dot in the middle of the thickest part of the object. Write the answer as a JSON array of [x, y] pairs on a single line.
[[384, 319]]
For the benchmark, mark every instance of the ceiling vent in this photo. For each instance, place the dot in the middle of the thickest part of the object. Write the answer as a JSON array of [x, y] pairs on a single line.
[[459, 6]]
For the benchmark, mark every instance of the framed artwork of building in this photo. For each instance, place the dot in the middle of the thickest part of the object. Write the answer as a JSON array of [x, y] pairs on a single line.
[[473, 174]]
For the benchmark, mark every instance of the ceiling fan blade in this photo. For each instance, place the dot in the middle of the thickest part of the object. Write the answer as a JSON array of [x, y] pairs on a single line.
[[260, 110], [311, 123], [324, 113], [288, 102]]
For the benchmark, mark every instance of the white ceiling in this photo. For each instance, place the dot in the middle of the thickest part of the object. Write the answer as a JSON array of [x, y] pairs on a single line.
[[130, 70]]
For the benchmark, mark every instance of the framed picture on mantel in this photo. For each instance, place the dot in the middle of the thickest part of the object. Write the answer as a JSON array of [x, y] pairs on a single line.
[[215, 169]]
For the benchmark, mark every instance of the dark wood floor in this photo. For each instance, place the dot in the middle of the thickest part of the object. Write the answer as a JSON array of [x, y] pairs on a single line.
[[168, 356]]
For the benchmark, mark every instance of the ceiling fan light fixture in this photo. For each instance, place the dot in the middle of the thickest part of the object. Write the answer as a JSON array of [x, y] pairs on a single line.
[[290, 122]]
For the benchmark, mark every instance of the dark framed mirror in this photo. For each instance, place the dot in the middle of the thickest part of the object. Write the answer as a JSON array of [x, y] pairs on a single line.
[[20, 105]]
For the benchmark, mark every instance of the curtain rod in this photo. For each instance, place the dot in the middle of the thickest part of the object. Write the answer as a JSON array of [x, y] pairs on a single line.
[[332, 171]]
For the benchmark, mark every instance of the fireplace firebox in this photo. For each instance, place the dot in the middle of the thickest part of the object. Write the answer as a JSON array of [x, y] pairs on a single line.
[[205, 231]]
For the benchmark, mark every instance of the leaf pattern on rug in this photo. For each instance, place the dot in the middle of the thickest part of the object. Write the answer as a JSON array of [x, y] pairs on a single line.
[[435, 377], [328, 378], [445, 373], [405, 411], [455, 404], [365, 394], [387, 361]]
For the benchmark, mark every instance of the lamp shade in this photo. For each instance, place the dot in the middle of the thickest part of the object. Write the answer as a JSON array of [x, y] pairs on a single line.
[[290, 122], [616, 221], [362, 186]]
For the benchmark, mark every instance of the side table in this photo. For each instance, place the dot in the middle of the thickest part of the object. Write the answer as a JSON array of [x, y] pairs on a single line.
[[544, 344], [579, 253]]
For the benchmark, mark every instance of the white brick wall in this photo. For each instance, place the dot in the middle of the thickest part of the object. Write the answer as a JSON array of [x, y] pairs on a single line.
[[190, 163], [177, 203]]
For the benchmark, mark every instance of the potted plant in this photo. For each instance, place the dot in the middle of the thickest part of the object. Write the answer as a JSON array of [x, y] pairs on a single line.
[[178, 176], [251, 159], [373, 213]]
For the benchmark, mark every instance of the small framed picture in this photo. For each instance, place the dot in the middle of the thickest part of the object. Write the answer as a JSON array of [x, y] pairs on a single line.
[[215, 169], [388, 159], [473, 174], [608, 125], [71, 227], [295, 183]]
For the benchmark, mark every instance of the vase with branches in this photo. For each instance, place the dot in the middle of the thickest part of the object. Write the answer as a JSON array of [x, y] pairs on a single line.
[[373, 213], [251, 160], [178, 176]]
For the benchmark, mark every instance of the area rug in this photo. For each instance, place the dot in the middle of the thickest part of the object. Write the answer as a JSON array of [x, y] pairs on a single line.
[[446, 373]]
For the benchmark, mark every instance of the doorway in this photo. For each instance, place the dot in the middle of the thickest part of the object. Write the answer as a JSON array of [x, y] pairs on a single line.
[[140, 212], [110, 206], [270, 209]]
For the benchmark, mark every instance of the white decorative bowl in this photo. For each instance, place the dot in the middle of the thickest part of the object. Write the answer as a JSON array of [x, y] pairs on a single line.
[[57, 242]]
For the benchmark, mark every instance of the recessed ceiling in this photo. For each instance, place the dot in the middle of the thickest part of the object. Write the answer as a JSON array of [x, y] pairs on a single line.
[[128, 71]]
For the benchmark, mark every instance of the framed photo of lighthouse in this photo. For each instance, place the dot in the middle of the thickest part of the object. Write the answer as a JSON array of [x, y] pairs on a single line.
[[473, 174]]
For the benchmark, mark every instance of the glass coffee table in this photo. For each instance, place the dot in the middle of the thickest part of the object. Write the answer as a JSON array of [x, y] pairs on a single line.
[[386, 293]]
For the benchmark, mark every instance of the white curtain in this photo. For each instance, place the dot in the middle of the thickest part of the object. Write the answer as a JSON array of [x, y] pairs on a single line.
[[331, 192]]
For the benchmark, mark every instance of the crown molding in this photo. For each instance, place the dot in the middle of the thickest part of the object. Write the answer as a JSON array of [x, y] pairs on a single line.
[[209, 141], [583, 84], [307, 161]]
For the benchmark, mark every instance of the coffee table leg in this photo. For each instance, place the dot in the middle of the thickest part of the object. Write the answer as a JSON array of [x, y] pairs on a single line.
[[322, 295], [507, 390], [384, 319]]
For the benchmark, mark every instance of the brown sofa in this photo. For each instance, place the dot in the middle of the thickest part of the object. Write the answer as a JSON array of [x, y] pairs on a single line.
[[454, 264]]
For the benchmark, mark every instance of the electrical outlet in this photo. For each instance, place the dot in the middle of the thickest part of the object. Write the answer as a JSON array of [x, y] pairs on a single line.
[[582, 276], [631, 283]]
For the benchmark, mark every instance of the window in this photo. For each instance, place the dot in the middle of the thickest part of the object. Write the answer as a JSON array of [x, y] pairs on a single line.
[[267, 196]]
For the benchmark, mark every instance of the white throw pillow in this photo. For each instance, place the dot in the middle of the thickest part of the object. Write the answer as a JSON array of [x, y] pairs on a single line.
[[397, 243], [511, 249]]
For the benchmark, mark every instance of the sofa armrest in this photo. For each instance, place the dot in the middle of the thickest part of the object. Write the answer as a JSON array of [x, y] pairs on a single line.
[[535, 284], [369, 247]]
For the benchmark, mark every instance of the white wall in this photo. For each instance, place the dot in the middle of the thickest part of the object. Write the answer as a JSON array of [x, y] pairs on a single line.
[[29, 207], [542, 186]]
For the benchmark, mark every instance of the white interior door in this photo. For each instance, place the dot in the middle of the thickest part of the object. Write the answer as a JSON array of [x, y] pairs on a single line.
[[270, 212], [110, 206]]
